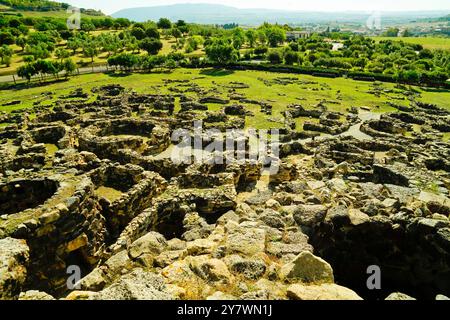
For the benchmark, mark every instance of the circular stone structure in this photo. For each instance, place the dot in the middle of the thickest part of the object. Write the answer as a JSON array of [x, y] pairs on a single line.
[[59, 217], [107, 137]]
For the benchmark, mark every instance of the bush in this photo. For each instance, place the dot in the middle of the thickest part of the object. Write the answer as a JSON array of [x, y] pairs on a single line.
[[261, 50], [274, 57], [290, 57]]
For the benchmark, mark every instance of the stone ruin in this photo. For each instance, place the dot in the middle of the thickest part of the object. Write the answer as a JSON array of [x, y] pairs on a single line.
[[92, 184]]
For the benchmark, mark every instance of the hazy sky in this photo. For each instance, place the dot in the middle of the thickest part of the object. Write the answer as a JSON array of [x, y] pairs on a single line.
[[111, 6]]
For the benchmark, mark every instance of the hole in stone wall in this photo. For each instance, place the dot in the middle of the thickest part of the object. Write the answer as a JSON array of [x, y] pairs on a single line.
[[411, 261], [170, 224], [20, 195]]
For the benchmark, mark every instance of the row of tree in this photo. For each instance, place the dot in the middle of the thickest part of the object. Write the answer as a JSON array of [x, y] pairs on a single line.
[[46, 67]]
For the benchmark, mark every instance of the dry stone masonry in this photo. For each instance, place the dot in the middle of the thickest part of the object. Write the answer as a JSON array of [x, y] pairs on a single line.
[[91, 183]]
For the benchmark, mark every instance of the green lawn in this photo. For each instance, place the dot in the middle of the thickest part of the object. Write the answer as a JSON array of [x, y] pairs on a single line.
[[351, 92], [426, 42]]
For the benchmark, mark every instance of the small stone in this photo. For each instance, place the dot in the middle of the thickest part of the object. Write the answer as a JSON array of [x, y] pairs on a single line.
[[219, 295], [49, 217], [399, 296], [314, 185], [79, 242]]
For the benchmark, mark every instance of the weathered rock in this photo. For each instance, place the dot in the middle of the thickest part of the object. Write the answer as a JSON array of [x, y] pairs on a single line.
[[14, 256], [309, 215], [35, 295], [138, 285], [211, 270], [151, 243], [307, 267], [219, 295], [326, 291], [250, 268], [94, 281], [399, 296], [246, 240], [200, 246]]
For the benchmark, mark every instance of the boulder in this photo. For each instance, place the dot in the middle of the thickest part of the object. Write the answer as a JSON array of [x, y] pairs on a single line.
[[152, 243], [138, 285], [14, 257], [306, 267], [253, 268], [35, 295], [246, 240], [94, 281], [310, 215], [210, 270], [326, 291]]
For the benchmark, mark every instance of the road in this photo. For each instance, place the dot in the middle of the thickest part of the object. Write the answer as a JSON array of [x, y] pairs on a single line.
[[85, 70]]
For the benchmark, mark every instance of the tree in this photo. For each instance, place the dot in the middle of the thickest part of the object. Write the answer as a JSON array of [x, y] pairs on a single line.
[[275, 36], [7, 61], [274, 57], [251, 37], [90, 50], [73, 44], [238, 38], [69, 66], [392, 32], [138, 33], [151, 45], [21, 42], [26, 71], [182, 26], [6, 38], [124, 60], [5, 53], [262, 37], [408, 76], [62, 54], [222, 52], [152, 33], [176, 33], [407, 33], [290, 57], [164, 23], [88, 27]]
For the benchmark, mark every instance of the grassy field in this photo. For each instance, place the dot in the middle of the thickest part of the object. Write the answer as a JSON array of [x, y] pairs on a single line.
[[426, 42], [340, 94]]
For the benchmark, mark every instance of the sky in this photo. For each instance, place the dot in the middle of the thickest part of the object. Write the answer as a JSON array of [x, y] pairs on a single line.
[[111, 6]]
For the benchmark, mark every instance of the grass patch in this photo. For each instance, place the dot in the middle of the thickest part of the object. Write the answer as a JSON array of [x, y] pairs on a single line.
[[337, 94]]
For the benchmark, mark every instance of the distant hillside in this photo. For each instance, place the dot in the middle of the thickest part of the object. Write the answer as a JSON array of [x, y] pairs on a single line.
[[219, 14], [35, 5], [50, 8]]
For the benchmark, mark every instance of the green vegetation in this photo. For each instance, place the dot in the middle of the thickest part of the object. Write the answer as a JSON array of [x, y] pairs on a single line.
[[45, 46], [426, 42], [263, 86]]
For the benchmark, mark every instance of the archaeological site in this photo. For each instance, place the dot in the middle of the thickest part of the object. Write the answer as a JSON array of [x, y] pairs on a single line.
[[94, 205]]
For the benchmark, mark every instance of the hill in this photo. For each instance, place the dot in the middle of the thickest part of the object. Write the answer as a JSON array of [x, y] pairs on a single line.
[[219, 14], [36, 8]]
